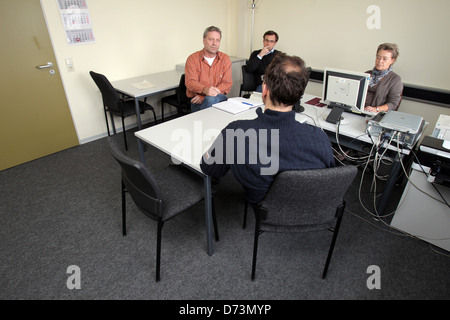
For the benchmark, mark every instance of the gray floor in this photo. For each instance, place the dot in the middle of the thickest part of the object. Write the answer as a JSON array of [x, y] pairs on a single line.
[[64, 210]]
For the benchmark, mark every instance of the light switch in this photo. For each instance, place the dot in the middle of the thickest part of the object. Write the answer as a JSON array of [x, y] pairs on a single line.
[[69, 65]]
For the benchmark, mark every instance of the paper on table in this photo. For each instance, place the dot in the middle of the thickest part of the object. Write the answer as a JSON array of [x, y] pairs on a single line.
[[237, 105], [144, 84]]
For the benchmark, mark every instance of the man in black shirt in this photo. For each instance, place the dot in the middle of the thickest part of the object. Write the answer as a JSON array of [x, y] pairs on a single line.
[[260, 59]]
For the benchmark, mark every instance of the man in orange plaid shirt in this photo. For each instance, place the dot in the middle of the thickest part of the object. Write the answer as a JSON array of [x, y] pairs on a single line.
[[208, 72]]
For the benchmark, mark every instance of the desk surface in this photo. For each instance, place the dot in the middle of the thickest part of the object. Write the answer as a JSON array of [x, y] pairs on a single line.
[[163, 81], [353, 125], [188, 137]]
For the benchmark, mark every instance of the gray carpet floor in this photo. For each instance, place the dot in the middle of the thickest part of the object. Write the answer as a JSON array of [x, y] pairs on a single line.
[[65, 210]]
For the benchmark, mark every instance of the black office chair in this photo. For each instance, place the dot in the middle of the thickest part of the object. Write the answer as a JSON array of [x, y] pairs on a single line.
[[303, 200], [178, 100], [160, 195], [116, 105], [249, 83]]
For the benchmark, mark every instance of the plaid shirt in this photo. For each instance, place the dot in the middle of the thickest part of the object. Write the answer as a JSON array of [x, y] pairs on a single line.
[[199, 74]]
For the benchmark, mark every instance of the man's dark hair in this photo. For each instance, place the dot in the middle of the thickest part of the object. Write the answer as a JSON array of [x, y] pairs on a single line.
[[286, 77], [271, 33]]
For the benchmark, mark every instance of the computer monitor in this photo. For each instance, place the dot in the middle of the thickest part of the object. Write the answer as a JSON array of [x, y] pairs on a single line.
[[344, 91]]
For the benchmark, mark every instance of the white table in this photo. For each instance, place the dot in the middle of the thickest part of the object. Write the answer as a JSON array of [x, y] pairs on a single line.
[[162, 81], [187, 138]]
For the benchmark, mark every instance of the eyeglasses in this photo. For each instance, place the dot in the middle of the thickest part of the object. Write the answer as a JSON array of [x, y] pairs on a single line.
[[271, 41]]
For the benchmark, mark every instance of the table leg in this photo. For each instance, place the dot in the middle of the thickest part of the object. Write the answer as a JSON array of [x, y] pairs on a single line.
[[138, 113], [208, 215]]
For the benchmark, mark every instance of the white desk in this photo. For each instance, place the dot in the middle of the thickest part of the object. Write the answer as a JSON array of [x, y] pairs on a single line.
[[186, 139], [163, 81], [354, 129], [421, 212]]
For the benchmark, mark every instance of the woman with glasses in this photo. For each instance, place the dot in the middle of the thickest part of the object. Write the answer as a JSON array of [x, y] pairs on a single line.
[[385, 86]]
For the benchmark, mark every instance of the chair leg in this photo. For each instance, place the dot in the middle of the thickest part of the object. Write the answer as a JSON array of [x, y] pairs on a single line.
[[153, 110], [154, 116], [255, 249], [158, 249], [333, 241], [216, 230], [112, 123], [107, 124], [124, 211], [244, 223], [124, 133], [162, 112]]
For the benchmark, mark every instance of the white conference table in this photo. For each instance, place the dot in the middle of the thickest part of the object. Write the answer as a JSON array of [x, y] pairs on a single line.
[[157, 83], [187, 138]]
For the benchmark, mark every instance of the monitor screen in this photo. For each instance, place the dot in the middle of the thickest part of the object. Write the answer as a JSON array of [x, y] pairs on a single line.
[[345, 89]]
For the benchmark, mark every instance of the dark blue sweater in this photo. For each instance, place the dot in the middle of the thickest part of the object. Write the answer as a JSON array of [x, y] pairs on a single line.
[[255, 155]]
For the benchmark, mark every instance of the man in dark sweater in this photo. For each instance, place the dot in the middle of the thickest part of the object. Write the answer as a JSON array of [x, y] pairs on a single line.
[[260, 59], [256, 150]]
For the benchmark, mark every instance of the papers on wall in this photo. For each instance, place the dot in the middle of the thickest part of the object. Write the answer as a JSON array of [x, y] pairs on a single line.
[[76, 21], [144, 84], [237, 105]]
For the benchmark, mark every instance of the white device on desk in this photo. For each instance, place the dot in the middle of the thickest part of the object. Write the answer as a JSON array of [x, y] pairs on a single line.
[[403, 128]]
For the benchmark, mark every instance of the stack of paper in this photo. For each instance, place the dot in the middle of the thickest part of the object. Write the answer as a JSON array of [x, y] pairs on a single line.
[[237, 105], [144, 84]]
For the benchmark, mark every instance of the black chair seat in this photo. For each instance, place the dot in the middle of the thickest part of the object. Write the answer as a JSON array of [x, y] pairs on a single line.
[[181, 189]]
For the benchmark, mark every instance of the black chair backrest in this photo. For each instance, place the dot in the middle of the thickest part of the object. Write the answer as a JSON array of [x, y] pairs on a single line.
[[248, 80], [111, 98], [139, 182], [182, 91], [302, 198]]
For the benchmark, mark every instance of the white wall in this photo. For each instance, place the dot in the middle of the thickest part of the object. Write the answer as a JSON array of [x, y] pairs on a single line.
[[145, 36], [133, 38], [330, 33]]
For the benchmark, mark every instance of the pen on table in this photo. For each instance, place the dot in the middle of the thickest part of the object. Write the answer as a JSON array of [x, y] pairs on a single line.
[[249, 104]]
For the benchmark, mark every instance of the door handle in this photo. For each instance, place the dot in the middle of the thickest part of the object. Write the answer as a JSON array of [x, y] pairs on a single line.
[[48, 65]]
